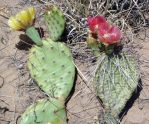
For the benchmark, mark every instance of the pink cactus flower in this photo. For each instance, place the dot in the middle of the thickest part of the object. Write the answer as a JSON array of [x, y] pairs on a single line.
[[109, 34], [95, 22]]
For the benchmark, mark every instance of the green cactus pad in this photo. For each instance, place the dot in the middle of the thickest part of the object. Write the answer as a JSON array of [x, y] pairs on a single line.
[[45, 112], [108, 119], [51, 65], [56, 23], [115, 80], [32, 33]]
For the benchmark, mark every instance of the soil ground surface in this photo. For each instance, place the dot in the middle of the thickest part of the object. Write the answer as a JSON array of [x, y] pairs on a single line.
[[18, 90]]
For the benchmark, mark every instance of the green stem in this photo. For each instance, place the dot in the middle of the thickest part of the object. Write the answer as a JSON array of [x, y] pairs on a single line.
[[32, 33], [109, 49], [93, 44]]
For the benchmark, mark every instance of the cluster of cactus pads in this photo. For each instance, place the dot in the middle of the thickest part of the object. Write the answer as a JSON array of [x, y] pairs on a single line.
[[116, 76], [51, 65]]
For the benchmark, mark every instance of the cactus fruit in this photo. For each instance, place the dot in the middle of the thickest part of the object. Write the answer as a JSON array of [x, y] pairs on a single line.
[[115, 80], [56, 23], [51, 65], [45, 111]]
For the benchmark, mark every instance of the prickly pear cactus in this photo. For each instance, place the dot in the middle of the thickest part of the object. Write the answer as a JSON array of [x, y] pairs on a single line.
[[51, 65], [56, 23], [45, 111], [115, 80]]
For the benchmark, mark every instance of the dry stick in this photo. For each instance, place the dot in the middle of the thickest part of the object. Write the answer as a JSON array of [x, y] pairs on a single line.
[[2, 81], [4, 102], [42, 1], [90, 4], [72, 114], [83, 77], [26, 43], [4, 16], [86, 109]]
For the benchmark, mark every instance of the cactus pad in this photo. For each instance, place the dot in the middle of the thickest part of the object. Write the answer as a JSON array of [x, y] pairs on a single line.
[[115, 80], [45, 112], [51, 65], [108, 119], [56, 23]]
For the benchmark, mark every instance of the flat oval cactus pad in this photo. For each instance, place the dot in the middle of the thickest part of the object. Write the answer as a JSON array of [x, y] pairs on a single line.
[[56, 22], [51, 65], [115, 80]]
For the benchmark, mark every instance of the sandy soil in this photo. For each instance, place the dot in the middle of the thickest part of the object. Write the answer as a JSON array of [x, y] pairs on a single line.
[[18, 90]]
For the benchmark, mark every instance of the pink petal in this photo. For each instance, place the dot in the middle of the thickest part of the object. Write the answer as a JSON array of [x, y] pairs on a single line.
[[100, 19], [115, 34], [104, 39], [109, 35], [95, 22], [104, 29]]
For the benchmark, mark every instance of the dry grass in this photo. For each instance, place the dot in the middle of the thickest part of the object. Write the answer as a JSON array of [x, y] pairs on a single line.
[[131, 16]]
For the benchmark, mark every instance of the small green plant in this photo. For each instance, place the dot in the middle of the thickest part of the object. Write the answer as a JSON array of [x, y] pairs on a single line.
[[51, 64], [116, 76]]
